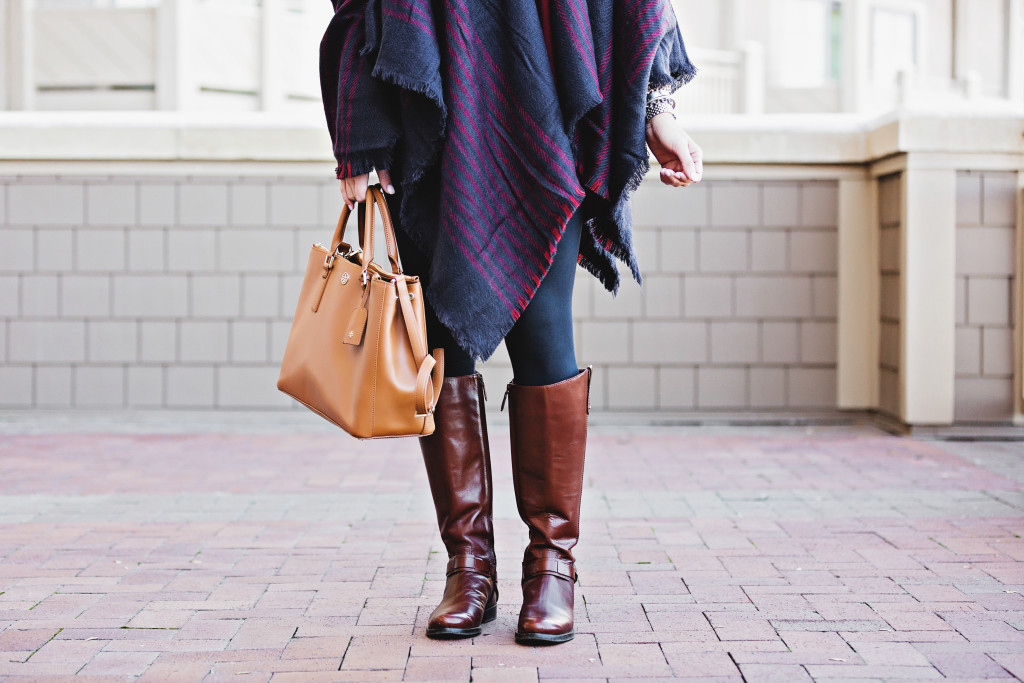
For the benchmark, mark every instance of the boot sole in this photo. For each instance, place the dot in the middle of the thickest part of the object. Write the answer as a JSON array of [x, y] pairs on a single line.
[[543, 638], [451, 633]]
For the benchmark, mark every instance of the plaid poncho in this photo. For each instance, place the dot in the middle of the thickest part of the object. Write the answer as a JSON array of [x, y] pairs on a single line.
[[494, 139]]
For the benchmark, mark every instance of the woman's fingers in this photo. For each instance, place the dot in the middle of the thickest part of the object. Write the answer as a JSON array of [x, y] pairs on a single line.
[[348, 193], [354, 189], [385, 181], [689, 168], [697, 154], [674, 178], [361, 182]]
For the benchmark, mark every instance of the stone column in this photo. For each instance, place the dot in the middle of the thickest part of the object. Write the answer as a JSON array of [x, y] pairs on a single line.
[[928, 293], [18, 41], [1018, 307], [174, 85]]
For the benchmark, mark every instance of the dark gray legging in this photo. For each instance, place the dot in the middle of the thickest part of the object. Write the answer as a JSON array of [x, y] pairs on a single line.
[[540, 344]]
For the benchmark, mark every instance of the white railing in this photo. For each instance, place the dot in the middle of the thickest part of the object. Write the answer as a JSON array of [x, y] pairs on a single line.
[[234, 54], [94, 58], [730, 82], [180, 55], [263, 54]]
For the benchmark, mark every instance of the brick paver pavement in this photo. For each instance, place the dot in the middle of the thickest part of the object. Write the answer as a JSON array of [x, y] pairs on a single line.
[[783, 554]]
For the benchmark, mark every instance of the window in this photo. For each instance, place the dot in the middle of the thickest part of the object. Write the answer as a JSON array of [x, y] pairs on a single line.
[[806, 43], [894, 43]]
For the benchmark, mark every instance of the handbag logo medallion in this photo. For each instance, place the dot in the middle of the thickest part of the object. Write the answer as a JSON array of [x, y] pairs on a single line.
[[344, 278]]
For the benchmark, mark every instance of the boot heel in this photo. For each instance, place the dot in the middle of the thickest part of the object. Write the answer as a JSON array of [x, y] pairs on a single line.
[[527, 638], [491, 613]]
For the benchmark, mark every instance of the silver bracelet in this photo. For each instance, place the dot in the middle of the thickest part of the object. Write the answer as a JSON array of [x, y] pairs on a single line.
[[660, 105], [657, 93], [659, 101]]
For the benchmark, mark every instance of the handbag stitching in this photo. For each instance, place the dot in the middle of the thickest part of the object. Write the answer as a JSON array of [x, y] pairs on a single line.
[[376, 362]]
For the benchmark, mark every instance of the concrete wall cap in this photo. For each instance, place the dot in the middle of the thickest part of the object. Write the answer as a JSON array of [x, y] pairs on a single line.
[[727, 139]]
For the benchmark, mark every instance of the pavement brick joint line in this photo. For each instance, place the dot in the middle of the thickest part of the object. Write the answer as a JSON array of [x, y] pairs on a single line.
[[796, 554]]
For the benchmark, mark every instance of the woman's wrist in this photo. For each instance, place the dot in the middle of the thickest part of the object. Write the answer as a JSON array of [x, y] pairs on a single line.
[[658, 119]]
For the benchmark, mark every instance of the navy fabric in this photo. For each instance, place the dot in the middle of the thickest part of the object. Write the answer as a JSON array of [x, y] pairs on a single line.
[[540, 344], [497, 143]]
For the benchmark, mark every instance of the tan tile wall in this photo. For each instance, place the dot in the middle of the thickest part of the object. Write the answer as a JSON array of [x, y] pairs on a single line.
[[889, 198], [118, 292], [178, 293], [986, 210], [738, 308]]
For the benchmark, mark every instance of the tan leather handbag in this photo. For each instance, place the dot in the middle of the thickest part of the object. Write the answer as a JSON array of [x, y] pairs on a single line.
[[357, 351]]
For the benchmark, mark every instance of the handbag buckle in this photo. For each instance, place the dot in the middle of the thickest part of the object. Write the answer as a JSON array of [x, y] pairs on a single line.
[[328, 264]]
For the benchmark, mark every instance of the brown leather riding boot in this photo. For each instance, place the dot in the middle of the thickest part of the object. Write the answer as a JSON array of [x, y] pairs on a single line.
[[548, 429], [458, 461]]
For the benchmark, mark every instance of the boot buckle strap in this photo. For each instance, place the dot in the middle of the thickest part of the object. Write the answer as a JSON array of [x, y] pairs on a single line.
[[550, 565], [462, 563]]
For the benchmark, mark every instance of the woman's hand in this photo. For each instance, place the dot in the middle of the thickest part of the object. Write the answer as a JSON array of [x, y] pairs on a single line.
[[354, 189], [682, 161]]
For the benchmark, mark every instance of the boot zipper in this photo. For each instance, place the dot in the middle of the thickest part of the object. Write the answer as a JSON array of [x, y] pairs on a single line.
[[505, 398], [483, 387]]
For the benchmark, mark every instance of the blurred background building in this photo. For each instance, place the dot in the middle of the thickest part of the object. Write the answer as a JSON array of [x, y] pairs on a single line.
[[855, 245], [756, 56]]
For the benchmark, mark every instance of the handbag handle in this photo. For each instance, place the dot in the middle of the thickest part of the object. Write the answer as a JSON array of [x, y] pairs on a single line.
[[339, 230], [374, 196]]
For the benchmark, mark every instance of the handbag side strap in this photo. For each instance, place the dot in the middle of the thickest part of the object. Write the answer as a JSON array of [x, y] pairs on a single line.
[[431, 373], [429, 381], [366, 230]]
